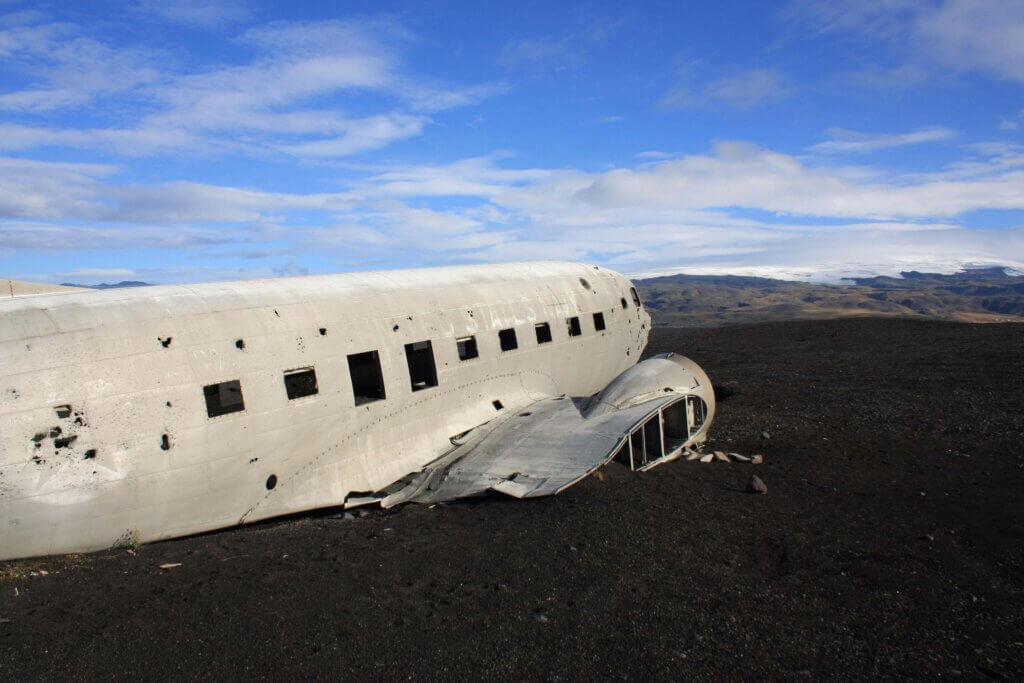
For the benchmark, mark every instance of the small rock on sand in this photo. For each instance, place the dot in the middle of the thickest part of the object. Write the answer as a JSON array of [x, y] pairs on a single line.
[[755, 485], [756, 459]]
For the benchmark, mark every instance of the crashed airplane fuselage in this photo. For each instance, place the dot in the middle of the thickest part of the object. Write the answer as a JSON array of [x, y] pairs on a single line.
[[134, 415]]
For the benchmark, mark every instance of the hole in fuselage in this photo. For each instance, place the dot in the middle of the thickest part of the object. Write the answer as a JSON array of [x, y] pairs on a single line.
[[271, 482], [497, 404]]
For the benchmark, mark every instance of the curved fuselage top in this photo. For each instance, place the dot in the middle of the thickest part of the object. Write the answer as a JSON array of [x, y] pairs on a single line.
[[155, 412]]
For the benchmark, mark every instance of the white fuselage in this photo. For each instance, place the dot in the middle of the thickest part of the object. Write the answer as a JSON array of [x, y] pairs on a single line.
[[105, 426]]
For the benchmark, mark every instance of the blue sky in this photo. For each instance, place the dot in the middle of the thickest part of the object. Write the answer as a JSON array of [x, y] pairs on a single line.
[[190, 141]]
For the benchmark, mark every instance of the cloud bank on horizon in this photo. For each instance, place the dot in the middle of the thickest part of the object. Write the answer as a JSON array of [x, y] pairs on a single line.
[[208, 140]]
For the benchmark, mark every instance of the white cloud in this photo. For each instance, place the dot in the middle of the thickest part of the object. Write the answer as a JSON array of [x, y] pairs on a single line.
[[693, 210], [900, 76], [741, 90], [289, 99], [535, 51], [48, 236], [132, 142], [745, 176], [748, 89], [198, 13], [976, 35], [66, 69], [681, 212], [360, 135], [653, 154], [985, 36], [39, 189], [150, 275], [853, 141], [568, 50]]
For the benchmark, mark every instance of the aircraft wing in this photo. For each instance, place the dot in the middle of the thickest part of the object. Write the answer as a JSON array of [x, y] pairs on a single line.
[[537, 452]]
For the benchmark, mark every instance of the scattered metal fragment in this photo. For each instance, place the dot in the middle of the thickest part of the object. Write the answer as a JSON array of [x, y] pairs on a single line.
[[755, 485], [707, 458], [756, 459], [720, 455], [170, 565]]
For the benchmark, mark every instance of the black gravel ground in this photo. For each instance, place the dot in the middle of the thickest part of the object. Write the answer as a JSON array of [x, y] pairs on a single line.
[[890, 543]]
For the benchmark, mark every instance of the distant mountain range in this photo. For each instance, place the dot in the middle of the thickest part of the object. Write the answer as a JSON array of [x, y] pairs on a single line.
[[104, 285], [976, 295]]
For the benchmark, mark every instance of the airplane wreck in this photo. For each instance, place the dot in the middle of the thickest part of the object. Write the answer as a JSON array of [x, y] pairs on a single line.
[[134, 415]]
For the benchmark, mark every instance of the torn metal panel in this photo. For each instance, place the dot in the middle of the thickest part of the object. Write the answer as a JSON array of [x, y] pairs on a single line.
[[538, 452], [557, 441]]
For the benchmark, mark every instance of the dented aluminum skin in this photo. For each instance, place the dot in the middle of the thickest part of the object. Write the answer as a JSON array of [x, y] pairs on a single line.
[[105, 436]]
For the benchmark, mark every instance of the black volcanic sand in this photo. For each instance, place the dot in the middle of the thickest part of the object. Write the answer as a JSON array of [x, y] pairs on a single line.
[[889, 544]]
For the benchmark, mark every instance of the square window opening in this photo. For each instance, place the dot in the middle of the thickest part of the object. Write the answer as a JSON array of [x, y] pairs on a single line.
[[543, 333], [599, 321], [573, 324], [508, 339], [467, 348], [223, 398], [299, 383], [367, 379], [422, 371]]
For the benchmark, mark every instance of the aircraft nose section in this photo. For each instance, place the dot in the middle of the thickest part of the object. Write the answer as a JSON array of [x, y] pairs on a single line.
[[651, 378]]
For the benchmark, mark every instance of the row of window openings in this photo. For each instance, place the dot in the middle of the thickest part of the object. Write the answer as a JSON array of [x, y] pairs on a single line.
[[365, 370]]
